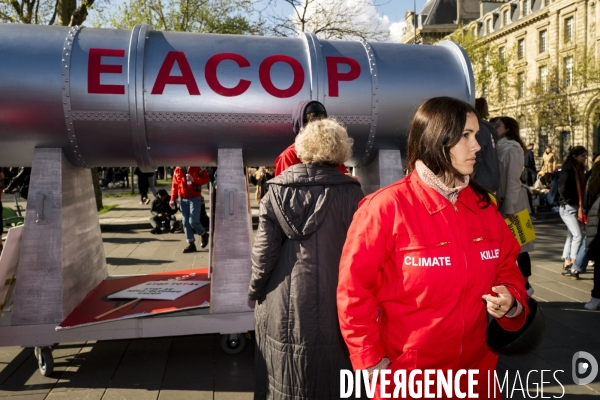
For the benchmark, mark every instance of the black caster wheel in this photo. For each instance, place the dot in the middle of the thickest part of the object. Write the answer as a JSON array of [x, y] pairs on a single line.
[[233, 343], [45, 360]]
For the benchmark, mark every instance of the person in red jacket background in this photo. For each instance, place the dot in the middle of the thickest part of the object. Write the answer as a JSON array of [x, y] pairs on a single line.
[[187, 184], [304, 112], [427, 258]]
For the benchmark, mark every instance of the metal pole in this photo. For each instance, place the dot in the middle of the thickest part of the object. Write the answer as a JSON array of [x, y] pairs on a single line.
[[415, 19]]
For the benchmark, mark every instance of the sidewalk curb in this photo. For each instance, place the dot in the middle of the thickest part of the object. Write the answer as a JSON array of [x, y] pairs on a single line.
[[124, 227]]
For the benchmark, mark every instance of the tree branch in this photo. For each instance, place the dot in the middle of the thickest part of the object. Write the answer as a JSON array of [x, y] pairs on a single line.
[[80, 13]]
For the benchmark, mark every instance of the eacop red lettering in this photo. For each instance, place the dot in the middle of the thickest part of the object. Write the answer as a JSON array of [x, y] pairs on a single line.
[[96, 67]]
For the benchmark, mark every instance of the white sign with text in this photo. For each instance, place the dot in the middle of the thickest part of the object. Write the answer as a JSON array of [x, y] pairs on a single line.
[[159, 290]]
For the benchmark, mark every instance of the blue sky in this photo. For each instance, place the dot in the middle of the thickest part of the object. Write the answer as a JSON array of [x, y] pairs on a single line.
[[391, 13], [394, 10]]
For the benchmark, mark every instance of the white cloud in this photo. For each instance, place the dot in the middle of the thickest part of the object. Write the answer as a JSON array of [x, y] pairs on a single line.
[[396, 30], [369, 17]]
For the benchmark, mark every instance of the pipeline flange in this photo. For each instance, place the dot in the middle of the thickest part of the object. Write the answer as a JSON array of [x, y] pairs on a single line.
[[374, 102], [74, 155]]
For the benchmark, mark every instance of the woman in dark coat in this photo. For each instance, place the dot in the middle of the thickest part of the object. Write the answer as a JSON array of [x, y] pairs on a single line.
[[302, 228]]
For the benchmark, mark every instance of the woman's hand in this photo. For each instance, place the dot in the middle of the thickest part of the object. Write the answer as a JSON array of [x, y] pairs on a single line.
[[580, 214], [511, 217], [499, 305]]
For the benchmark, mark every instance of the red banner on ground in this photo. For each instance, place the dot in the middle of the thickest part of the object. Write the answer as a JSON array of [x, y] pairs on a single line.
[[97, 302]]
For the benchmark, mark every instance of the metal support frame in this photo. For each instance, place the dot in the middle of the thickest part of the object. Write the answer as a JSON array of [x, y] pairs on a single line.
[[232, 236], [383, 171], [62, 255]]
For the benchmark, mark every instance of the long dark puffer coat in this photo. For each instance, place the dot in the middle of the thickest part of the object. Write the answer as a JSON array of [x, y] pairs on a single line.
[[295, 260]]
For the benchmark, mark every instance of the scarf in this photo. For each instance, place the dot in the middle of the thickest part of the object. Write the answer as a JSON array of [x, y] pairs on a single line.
[[436, 183], [580, 179]]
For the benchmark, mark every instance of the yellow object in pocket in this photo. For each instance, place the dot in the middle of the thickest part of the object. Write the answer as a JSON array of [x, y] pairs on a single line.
[[522, 227]]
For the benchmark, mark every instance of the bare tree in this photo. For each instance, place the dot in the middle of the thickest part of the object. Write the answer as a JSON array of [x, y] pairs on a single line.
[[328, 19], [45, 12]]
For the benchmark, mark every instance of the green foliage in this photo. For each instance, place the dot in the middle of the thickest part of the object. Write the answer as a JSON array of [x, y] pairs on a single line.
[[490, 69], [202, 16]]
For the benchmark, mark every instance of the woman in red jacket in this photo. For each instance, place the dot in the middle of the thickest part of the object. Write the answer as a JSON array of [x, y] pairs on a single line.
[[427, 258]]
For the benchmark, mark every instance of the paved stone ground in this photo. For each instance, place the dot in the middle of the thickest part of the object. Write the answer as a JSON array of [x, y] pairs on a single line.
[[195, 367]]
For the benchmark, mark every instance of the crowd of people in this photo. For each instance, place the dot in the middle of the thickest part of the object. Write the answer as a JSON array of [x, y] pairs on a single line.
[[345, 282]]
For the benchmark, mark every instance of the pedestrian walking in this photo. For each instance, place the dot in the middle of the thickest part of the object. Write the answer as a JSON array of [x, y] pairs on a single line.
[[548, 165], [295, 258], [423, 253], [571, 189], [512, 194], [143, 184], [486, 170], [187, 186], [529, 163], [262, 175]]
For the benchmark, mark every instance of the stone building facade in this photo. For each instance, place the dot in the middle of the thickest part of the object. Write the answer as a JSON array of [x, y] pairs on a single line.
[[543, 43]]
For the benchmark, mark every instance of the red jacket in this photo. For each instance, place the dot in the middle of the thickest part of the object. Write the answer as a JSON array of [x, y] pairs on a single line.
[[412, 274], [179, 186], [289, 158]]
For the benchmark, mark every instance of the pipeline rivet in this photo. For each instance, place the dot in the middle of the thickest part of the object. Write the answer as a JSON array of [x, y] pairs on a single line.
[[64, 102]]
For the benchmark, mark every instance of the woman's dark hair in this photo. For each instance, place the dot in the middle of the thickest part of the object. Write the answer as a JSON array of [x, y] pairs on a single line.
[[574, 152], [481, 106], [513, 130], [437, 127]]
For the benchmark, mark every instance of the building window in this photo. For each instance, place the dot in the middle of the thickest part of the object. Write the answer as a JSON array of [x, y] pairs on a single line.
[[568, 71], [521, 49], [521, 85], [543, 37], [543, 77], [569, 29], [501, 96], [501, 54], [505, 18], [542, 143]]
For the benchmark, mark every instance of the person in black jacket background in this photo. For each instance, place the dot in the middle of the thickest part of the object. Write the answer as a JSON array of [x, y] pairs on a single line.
[[487, 169], [571, 189], [161, 211], [529, 164]]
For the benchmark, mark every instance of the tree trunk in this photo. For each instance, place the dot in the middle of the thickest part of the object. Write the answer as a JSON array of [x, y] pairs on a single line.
[[97, 190], [64, 10]]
